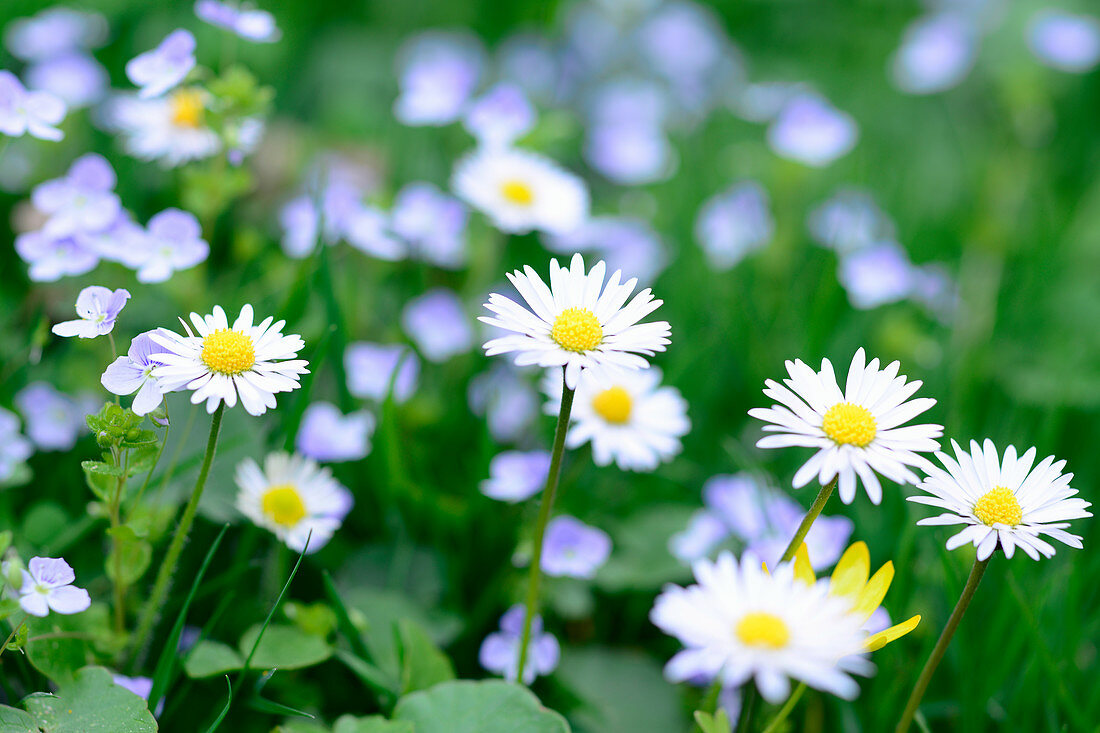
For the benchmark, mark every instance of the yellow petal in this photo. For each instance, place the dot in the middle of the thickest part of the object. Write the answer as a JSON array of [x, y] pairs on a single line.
[[764, 566], [850, 574], [877, 641], [803, 570], [872, 594]]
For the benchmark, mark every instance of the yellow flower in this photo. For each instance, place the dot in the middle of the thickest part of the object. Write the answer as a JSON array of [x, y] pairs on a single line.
[[850, 580]]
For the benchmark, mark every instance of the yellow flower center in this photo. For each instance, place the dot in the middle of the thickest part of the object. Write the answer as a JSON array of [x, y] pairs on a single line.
[[849, 424], [187, 108], [228, 352], [517, 192], [283, 505], [577, 329], [613, 405], [763, 629], [998, 506]]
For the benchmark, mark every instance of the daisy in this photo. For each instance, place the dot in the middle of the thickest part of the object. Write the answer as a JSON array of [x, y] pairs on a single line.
[[47, 585], [857, 432], [294, 498], [171, 129], [521, 191], [578, 322], [849, 580], [223, 362], [1003, 501], [627, 416], [740, 622]]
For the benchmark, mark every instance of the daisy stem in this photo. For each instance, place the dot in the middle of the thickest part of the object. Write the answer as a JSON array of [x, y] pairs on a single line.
[[748, 702], [941, 646], [807, 521], [151, 611], [535, 575], [788, 706]]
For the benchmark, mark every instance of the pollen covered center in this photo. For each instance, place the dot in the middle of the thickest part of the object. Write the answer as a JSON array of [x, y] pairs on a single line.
[[763, 630], [228, 352], [998, 506], [517, 192], [577, 329], [613, 405], [187, 108], [850, 424], [283, 505]]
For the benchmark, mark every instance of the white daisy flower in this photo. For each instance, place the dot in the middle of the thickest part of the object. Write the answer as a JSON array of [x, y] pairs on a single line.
[[293, 497], [521, 191], [222, 362], [857, 432], [579, 322], [740, 622], [171, 129], [1003, 501], [627, 416]]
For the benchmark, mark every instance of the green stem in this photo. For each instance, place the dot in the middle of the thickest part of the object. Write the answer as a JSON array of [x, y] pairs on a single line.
[[151, 611], [116, 548], [808, 521], [786, 709], [941, 646], [14, 630], [156, 462], [748, 702], [535, 575]]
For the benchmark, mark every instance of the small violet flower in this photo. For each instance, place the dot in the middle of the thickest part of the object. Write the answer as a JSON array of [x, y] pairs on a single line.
[[165, 66], [98, 307], [500, 651], [133, 373], [734, 223], [328, 435], [370, 369], [25, 112], [54, 420], [811, 131], [500, 116], [516, 475], [172, 241], [51, 258], [437, 73], [573, 549], [14, 448], [432, 223], [438, 325], [83, 200], [247, 22], [48, 586]]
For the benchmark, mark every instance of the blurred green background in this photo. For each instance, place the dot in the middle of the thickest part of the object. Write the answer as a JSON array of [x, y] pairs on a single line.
[[997, 179]]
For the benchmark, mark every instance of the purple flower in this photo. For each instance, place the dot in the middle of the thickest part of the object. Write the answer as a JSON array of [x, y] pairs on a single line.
[[500, 651], [247, 22], [51, 258], [23, 112], [624, 243], [437, 73], [529, 60], [301, 223], [509, 402], [734, 223], [172, 241], [1065, 41], [876, 275], [573, 549], [438, 325], [98, 307], [432, 223], [849, 220], [54, 32], [48, 586], [165, 66], [683, 42], [140, 686], [76, 79], [370, 369], [936, 53], [367, 229], [811, 131], [14, 448], [500, 116], [83, 200], [630, 153], [330, 436], [133, 373], [54, 420], [515, 475]]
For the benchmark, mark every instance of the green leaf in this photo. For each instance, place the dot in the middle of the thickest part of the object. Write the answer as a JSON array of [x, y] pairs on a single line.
[[490, 706], [624, 692], [102, 478], [641, 560], [209, 658], [284, 646], [44, 521], [134, 555], [59, 645], [91, 703], [717, 723], [13, 720], [373, 724], [423, 665], [139, 438]]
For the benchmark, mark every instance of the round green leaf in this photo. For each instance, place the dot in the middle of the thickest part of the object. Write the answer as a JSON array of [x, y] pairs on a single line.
[[210, 658], [91, 703], [490, 706], [285, 647]]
